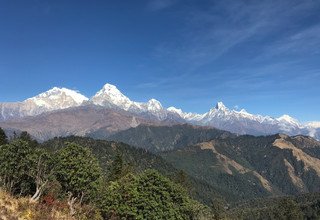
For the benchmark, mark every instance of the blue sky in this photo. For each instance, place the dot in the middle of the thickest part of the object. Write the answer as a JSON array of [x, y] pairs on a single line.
[[263, 55]]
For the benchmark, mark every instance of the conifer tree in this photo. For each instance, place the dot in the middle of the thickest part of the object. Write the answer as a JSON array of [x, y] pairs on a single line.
[[3, 137], [116, 168]]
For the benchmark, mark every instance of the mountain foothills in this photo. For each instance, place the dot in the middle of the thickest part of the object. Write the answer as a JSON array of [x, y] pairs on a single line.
[[62, 112], [212, 175], [274, 165], [81, 178], [245, 166]]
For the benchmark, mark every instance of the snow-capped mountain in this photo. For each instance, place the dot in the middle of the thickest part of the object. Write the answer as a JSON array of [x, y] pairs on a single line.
[[53, 99], [241, 122], [110, 97], [58, 98], [314, 129], [314, 124]]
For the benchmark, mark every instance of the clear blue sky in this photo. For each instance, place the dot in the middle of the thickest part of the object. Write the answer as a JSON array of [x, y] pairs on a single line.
[[263, 55]]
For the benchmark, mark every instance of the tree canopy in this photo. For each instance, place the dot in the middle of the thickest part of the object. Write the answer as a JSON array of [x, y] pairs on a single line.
[[17, 160], [78, 170], [147, 196]]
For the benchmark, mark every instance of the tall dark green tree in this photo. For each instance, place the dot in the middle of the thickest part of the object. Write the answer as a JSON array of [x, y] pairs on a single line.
[[16, 161], [3, 137], [25, 136], [116, 168], [147, 196], [78, 172], [162, 199]]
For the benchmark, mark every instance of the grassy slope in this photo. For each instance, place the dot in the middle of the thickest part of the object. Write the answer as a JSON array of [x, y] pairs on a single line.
[[21, 208]]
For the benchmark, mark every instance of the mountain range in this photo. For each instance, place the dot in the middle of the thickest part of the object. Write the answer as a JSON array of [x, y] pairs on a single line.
[[213, 151], [110, 111]]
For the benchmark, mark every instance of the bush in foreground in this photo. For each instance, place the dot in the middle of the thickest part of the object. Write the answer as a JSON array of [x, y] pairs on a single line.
[[148, 196]]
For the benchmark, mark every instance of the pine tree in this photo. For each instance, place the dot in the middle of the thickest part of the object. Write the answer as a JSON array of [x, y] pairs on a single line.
[[3, 137], [117, 168]]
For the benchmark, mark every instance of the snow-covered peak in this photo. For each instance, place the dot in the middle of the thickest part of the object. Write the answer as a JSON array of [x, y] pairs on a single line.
[[313, 124], [288, 119], [243, 111], [109, 94], [221, 106], [56, 93], [220, 109], [51, 100], [110, 88], [288, 124], [176, 110], [57, 98], [154, 108], [111, 91], [154, 105], [186, 115]]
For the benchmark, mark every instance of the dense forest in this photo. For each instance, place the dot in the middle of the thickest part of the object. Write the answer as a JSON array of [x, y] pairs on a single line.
[[83, 178], [70, 176]]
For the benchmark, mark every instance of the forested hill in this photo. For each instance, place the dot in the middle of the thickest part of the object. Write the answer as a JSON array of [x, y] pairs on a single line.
[[279, 164], [111, 183], [137, 160], [163, 138], [217, 179]]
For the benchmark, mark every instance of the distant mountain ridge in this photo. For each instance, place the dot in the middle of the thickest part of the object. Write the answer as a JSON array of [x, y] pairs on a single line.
[[163, 138], [80, 121], [109, 97]]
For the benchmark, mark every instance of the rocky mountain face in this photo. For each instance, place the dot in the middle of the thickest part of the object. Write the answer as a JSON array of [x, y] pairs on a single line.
[[253, 166], [109, 97]]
